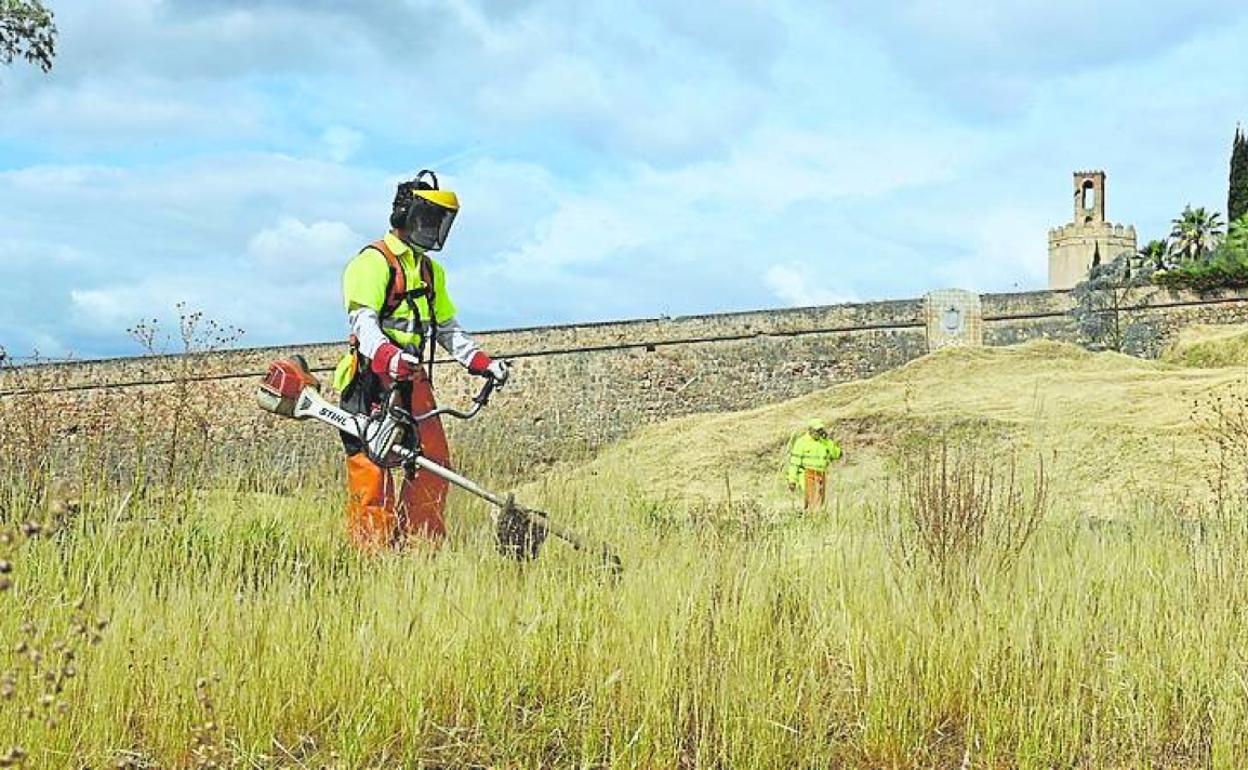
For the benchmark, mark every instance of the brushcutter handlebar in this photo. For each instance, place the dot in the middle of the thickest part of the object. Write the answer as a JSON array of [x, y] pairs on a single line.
[[481, 399]]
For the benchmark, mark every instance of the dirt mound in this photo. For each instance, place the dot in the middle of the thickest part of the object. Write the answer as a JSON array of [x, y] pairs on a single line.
[[1112, 428]]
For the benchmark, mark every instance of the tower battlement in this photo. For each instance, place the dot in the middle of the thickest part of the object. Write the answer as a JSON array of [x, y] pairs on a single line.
[[1062, 232]]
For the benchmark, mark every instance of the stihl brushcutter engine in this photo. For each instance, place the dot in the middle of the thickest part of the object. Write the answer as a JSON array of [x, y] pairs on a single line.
[[290, 390]]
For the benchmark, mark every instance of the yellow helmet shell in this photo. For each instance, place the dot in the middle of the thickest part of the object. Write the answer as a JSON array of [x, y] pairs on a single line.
[[444, 198]]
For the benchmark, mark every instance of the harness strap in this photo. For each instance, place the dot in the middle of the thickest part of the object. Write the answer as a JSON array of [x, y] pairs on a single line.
[[397, 293], [396, 285], [426, 275]]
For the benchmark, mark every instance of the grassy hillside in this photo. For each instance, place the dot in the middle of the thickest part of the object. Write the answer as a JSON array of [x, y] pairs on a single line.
[[172, 621], [1210, 346], [1113, 428]]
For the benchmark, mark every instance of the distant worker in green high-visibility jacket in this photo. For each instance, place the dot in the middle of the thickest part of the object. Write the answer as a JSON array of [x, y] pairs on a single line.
[[810, 454]]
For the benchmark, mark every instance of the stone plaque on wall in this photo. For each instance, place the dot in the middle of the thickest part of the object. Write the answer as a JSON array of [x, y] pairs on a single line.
[[954, 317]]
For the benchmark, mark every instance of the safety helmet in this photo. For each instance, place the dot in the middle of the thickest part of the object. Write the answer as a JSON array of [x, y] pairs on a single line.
[[424, 212], [816, 424]]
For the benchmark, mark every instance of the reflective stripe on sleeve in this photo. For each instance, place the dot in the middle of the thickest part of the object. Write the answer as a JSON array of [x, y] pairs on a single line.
[[400, 325]]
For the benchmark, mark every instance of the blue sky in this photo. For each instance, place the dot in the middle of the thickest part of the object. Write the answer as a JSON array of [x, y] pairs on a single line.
[[614, 158]]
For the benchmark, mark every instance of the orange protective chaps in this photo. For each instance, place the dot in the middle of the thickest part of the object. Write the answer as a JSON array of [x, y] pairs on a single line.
[[423, 496], [376, 517], [816, 489]]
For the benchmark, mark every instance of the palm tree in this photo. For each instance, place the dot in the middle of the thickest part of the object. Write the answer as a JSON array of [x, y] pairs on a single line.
[[1237, 235], [1153, 256], [1196, 233]]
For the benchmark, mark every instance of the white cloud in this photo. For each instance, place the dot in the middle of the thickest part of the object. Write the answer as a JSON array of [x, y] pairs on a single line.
[[103, 307], [613, 159], [724, 209], [130, 109], [560, 86], [994, 58], [797, 285], [216, 233], [292, 246], [342, 143]]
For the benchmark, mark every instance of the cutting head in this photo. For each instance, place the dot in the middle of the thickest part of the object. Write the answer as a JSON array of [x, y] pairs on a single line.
[[519, 535]]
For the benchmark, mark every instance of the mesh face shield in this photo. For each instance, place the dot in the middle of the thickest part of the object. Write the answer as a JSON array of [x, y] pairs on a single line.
[[428, 223]]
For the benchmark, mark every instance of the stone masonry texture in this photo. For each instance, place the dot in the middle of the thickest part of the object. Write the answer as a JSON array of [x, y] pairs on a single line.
[[577, 387]]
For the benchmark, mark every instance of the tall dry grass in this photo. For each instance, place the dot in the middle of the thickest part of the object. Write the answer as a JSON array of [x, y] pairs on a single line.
[[220, 620], [964, 506]]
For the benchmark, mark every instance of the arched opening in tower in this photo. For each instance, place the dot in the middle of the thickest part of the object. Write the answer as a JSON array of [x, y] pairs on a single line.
[[1089, 196]]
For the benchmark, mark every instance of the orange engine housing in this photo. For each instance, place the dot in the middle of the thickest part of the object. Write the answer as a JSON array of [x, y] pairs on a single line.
[[279, 390]]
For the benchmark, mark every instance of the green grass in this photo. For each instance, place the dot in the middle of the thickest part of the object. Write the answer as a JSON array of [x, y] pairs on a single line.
[[799, 643]]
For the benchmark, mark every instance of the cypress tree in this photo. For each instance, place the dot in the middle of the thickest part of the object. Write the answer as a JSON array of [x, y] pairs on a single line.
[[1237, 199]]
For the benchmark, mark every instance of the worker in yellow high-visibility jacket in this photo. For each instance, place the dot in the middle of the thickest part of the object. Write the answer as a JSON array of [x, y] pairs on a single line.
[[810, 454], [396, 299]]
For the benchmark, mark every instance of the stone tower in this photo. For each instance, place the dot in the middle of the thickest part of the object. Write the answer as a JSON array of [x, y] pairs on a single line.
[[1089, 239]]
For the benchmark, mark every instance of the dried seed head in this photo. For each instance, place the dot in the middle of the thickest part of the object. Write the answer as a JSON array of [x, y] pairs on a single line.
[[5, 567], [5, 584]]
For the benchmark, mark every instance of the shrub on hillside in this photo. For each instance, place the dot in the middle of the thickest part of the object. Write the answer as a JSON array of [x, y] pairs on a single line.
[[1226, 267], [963, 506]]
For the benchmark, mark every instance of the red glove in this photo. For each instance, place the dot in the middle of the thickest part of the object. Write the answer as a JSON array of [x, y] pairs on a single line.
[[484, 366], [390, 361], [480, 363]]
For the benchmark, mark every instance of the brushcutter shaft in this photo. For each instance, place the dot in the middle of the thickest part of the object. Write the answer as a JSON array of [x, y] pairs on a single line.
[[537, 517], [463, 483]]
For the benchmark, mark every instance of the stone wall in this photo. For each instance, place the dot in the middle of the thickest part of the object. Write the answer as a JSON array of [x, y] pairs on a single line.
[[576, 387]]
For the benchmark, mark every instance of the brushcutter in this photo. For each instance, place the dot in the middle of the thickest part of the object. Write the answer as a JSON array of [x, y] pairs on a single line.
[[289, 389]]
